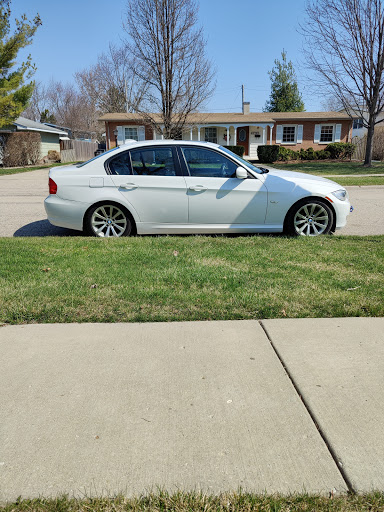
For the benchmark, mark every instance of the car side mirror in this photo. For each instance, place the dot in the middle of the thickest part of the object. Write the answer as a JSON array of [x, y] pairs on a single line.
[[241, 173]]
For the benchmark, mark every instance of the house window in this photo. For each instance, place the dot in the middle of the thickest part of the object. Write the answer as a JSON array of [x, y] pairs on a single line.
[[357, 124], [211, 135], [326, 134], [131, 133], [289, 134]]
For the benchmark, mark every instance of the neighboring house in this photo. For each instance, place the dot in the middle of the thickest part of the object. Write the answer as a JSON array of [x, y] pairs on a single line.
[[295, 130], [359, 130], [50, 137]]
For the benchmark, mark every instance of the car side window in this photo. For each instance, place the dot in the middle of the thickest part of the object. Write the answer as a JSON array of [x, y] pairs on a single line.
[[153, 162], [120, 164], [205, 163]]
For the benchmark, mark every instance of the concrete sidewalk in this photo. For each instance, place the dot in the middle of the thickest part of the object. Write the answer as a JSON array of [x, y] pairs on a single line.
[[277, 406]]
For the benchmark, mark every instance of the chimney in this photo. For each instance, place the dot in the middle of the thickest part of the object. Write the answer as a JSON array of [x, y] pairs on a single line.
[[246, 107]]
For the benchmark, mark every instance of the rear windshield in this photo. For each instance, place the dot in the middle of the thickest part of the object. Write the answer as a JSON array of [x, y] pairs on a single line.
[[96, 157]]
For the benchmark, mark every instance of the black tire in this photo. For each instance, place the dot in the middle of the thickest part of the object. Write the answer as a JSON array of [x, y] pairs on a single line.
[[309, 217], [107, 220]]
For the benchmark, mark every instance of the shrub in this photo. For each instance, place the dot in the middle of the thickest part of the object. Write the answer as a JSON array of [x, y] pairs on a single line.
[[322, 154], [336, 149], [287, 154], [268, 154], [21, 148], [54, 156], [238, 150], [349, 149]]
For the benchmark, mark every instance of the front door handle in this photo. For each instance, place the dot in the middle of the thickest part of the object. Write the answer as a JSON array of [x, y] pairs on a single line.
[[197, 188], [129, 186]]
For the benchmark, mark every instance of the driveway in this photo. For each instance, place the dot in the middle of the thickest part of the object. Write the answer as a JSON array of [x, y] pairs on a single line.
[[22, 196]]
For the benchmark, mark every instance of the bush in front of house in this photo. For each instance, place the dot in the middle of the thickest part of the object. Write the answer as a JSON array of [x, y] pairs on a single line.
[[268, 154], [287, 154], [21, 148], [54, 156], [322, 154], [238, 150], [341, 149]]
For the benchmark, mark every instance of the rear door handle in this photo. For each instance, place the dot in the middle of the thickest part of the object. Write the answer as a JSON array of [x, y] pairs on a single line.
[[197, 188], [129, 186]]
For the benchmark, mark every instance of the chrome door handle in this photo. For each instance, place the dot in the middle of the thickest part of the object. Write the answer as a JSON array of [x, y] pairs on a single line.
[[129, 186], [197, 188]]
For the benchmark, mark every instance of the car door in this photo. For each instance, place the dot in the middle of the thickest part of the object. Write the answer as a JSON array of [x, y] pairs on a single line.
[[216, 196], [149, 178]]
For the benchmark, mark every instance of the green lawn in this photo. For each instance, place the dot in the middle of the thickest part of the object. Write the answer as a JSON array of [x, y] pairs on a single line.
[[324, 168], [189, 278], [346, 181], [194, 501], [18, 170]]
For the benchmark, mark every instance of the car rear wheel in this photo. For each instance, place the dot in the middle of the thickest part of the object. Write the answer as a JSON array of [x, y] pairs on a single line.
[[107, 220], [310, 217]]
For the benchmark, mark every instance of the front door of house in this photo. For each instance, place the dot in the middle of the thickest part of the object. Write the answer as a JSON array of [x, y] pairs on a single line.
[[243, 138]]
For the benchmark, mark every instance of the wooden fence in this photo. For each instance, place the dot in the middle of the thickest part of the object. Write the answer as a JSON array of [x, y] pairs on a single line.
[[361, 143], [77, 150]]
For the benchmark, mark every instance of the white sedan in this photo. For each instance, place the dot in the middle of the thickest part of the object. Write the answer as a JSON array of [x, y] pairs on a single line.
[[183, 187]]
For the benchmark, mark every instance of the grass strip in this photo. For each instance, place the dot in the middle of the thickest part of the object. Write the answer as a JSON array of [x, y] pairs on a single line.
[[324, 168], [18, 170], [188, 501], [169, 278], [359, 182]]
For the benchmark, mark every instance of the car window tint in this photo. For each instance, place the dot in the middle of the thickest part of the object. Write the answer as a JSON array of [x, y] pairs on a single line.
[[205, 163], [153, 162], [120, 164]]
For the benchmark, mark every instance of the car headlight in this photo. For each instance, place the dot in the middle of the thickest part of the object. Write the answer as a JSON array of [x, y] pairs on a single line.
[[341, 194]]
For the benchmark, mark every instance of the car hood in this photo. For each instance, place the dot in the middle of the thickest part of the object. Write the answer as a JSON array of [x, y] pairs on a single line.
[[295, 177]]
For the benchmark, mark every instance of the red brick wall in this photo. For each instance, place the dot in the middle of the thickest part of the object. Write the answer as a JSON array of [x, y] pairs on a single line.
[[309, 134], [111, 126]]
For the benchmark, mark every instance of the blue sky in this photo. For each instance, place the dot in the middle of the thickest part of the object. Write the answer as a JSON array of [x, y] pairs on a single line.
[[243, 40]]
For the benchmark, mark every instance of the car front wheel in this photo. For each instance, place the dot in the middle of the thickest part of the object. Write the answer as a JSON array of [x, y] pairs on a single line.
[[310, 218], [107, 220]]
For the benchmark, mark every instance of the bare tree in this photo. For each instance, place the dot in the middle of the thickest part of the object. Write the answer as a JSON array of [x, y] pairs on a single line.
[[37, 104], [73, 110], [169, 53], [345, 46], [111, 84]]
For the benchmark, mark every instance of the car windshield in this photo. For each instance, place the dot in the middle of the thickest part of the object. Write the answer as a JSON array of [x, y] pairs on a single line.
[[247, 164], [96, 157]]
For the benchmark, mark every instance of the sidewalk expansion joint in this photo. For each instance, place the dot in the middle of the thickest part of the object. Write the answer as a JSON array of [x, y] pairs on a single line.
[[312, 415]]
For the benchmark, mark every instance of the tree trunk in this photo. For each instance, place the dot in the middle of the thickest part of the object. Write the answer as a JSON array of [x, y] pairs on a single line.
[[369, 146]]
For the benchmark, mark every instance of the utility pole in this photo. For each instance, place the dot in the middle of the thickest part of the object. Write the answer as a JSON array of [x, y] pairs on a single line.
[[242, 98]]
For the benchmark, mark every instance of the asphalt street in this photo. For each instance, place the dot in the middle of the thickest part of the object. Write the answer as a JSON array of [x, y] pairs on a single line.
[[22, 209]]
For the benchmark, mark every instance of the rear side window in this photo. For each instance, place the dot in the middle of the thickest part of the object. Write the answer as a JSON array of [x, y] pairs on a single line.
[[120, 164], [154, 162]]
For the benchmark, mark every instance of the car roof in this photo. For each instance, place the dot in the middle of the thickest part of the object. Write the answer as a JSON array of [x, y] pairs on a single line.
[[167, 142]]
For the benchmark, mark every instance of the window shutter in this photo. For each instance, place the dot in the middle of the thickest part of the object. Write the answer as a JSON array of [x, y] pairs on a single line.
[[338, 133], [299, 139], [141, 133], [317, 133], [120, 135], [279, 134]]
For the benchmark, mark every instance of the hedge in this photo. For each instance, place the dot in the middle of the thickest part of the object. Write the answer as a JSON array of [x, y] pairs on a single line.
[[238, 150]]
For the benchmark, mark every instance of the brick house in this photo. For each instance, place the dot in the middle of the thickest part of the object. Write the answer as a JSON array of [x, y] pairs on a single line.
[[295, 130]]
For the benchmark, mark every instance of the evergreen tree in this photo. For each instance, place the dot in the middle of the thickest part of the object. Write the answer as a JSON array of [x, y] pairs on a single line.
[[47, 117], [14, 92], [285, 95]]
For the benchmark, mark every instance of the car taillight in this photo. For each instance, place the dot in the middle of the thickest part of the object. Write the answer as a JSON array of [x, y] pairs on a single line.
[[52, 186]]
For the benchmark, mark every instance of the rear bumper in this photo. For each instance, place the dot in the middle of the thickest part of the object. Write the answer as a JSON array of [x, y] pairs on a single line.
[[64, 213]]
